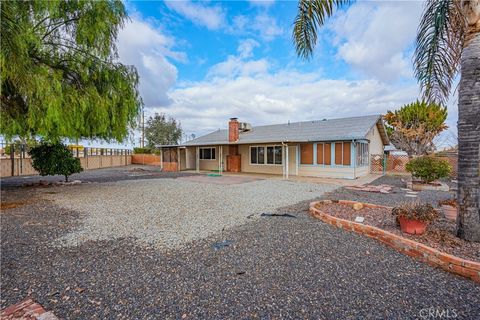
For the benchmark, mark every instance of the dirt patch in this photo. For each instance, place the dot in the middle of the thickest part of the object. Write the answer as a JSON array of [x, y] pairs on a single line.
[[11, 205], [439, 235]]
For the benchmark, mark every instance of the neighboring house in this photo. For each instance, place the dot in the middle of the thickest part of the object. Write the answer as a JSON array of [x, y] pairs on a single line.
[[335, 148]]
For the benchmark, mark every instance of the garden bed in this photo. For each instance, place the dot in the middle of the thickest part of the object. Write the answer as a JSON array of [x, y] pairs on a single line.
[[439, 235]]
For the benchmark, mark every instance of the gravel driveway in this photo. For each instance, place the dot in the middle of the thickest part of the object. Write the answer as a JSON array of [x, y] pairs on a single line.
[[171, 212]]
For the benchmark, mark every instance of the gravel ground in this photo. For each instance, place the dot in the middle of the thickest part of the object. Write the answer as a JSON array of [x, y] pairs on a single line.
[[440, 233], [169, 212], [391, 199], [131, 172], [276, 267]]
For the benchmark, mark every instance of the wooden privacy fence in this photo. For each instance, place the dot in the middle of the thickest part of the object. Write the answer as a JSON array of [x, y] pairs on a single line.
[[17, 162], [391, 163], [168, 160]]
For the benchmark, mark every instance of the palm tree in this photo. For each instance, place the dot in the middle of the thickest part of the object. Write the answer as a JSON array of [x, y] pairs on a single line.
[[448, 41]]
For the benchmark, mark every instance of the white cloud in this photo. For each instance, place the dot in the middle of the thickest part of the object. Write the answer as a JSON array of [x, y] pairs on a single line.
[[245, 48], [236, 66], [212, 17], [267, 26], [263, 3], [268, 98], [263, 25], [376, 38], [143, 45]]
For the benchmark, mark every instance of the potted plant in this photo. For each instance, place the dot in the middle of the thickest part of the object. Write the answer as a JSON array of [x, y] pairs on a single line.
[[414, 217], [449, 209]]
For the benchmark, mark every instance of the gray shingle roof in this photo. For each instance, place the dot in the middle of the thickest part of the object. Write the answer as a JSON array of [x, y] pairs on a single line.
[[317, 130]]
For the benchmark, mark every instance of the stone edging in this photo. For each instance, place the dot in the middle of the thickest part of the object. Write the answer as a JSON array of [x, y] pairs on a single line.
[[418, 251]]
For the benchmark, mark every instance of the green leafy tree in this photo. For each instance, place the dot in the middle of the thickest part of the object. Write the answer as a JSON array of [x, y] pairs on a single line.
[[60, 75], [448, 40], [413, 127], [54, 158], [161, 130]]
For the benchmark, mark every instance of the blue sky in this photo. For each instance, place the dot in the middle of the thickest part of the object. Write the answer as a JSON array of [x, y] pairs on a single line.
[[204, 62]]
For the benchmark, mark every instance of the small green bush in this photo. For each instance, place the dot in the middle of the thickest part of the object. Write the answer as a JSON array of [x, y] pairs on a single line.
[[428, 169], [142, 150], [54, 158]]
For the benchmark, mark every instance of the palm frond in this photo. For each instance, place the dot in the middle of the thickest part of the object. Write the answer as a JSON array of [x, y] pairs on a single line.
[[439, 44], [310, 16]]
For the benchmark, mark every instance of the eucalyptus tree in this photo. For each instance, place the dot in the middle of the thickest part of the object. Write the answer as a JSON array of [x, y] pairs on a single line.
[[448, 43], [60, 74]]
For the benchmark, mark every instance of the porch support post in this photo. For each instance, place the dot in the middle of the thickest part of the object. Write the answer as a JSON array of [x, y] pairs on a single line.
[[220, 156], [178, 159], [161, 158], [297, 158], [287, 165], [197, 158], [354, 159]]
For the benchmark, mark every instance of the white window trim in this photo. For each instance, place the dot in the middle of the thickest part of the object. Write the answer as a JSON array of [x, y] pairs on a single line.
[[265, 155], [203, 148]]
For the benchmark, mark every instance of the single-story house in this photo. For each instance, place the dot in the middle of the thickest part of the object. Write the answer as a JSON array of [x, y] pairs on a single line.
[[333, 148]]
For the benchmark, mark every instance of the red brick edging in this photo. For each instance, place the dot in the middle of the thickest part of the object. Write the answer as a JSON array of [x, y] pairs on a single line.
[[26, 309], [418, 251]]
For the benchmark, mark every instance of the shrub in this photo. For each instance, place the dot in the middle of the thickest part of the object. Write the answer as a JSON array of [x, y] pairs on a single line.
[[415, 211], [54, 158], [142, 150], [428, 169]]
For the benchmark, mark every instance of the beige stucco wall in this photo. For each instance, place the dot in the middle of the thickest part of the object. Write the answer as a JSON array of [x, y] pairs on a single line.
[[244, 151], [326, 171], [207, 165], [294, 169], [376, 144]]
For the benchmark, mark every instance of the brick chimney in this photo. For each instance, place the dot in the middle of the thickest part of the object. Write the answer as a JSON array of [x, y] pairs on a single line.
[[233, 130], [233, 158]]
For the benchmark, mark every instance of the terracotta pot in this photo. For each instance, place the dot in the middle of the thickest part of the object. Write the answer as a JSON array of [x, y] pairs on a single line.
[[412, 226], [450, 212]]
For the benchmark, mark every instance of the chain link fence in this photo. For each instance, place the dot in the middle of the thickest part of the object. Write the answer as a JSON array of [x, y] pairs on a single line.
[[392, 163]]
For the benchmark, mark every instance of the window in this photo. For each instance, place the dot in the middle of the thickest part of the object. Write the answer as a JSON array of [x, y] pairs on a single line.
[[306, 153], [324, 153], [257, 155], [270, 155], [207, 153], [278, 155], [361, 152], [266, 155], [342, 153]]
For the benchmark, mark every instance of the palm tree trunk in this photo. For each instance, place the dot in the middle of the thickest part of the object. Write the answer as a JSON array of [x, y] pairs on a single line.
[[468, 222]]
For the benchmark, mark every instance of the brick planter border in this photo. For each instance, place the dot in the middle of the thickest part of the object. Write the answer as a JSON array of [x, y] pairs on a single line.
[[416, 250]]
